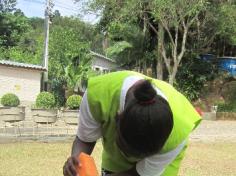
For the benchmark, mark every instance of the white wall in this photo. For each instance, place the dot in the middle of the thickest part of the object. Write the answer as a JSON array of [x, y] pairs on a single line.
[[23, 82], [103, 64]]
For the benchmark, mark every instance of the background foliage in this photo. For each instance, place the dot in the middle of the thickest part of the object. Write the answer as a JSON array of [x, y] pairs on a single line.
[[136, 34]]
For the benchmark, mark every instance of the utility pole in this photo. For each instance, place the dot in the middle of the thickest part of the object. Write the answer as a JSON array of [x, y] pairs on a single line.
[[48, 12]]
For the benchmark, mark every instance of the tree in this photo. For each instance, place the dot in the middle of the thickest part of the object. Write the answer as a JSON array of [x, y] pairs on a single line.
[[126, 43], [78, 72], [176, 17], [56, 13], [214, 30], [69, 54], [170, 20], [7, 6], [125, 39], [74, 44], [12, 27], [20, 40], [226, 28], [16, 36]]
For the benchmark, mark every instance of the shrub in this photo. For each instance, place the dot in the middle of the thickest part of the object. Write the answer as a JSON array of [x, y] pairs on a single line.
[[227, 107], [10, 99], [45, 100], [228, 90], [73, 102], [192, 75], [229, 94]]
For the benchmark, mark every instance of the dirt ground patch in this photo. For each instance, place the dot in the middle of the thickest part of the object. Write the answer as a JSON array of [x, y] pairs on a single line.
[[214, 131], [209, 159]]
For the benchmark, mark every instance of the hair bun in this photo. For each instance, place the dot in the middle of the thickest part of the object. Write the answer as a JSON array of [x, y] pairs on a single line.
[[144, 92]]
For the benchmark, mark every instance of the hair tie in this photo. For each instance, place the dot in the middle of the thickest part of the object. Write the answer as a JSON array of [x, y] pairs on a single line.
[[148, 102]]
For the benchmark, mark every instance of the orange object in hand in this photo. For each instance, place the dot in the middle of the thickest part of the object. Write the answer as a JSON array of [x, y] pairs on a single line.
[[86, 166]]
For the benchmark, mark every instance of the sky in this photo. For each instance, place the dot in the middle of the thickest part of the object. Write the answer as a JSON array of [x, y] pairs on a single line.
[[36, 8]]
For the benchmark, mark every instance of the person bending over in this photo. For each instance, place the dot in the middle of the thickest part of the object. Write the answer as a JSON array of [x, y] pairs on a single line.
[[144, 124]]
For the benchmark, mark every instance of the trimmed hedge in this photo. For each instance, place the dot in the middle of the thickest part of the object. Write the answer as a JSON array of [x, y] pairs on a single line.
[[10, 99], [45, 100], [73, 102]]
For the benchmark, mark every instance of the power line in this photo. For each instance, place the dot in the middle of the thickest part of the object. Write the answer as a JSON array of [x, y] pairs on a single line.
[[73, 8], [35, 1], [64, 4], [55, 5], [67, 8]]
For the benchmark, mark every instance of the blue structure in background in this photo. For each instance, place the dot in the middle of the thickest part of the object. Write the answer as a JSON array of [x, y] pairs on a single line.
[[228, 64]]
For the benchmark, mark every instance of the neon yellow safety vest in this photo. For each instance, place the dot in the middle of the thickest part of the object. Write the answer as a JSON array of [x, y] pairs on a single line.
[[104, 100]]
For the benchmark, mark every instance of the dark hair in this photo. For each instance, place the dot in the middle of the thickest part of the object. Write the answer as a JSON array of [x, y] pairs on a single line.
[[146, 122]]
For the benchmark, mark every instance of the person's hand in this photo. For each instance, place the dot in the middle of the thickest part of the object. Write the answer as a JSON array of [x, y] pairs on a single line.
[[70, 166]]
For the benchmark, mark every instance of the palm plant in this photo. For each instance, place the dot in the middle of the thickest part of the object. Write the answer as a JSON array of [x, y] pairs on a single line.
[[78, 72]]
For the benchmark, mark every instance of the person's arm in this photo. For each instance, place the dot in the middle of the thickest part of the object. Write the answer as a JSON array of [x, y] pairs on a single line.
[[72, 163], [81, 146], [89, 131], [131, 172]]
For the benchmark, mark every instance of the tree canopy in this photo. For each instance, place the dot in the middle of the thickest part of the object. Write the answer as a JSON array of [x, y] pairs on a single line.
[[165, 36]]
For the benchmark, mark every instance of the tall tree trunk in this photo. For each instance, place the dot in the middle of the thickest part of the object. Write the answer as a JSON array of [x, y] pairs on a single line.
[[231, 50], [159, 66], [173, 74], [223, 54], [144, 67], [171, 79], [139, 66], [105, 43]]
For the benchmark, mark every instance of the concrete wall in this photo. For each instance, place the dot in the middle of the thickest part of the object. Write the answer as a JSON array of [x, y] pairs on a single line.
[[24, 83]]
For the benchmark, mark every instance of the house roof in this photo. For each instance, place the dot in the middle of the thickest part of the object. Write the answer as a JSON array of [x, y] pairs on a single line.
[[227, 57], [39, 67], [21, 65], [101, 56]]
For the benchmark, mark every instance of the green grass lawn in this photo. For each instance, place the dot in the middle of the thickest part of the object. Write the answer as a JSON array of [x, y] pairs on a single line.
[[47, 159]]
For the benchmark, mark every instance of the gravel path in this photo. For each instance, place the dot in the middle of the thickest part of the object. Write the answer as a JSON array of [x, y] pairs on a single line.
[[212, 131], [207, 131]]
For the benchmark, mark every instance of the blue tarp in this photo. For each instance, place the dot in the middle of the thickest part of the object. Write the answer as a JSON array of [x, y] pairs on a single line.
[[228, 64]]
